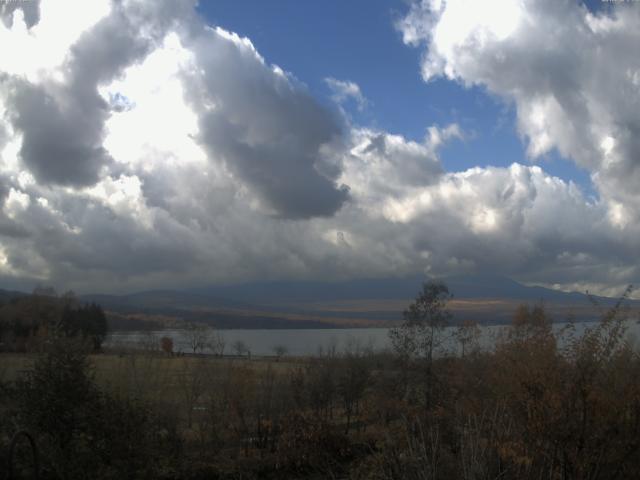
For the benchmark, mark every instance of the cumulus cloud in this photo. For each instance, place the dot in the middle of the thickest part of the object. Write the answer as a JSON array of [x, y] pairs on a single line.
[[174, 154], [155, 148], [517, 220], [267, 130], [62, 118], [573, 76], [380, 165], [58, 145]]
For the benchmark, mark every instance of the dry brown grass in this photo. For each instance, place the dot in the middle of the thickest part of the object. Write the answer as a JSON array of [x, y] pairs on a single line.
[[13, 364]]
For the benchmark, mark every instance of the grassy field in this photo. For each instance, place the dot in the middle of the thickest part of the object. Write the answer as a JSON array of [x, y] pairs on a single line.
[[13, 364], [149, 376], [109, 365]]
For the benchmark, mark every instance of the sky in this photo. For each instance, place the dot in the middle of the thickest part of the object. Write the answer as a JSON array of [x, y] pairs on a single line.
[[170, 144]]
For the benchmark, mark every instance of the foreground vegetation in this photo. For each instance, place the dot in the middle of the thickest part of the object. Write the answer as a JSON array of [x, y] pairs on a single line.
[[535, 406]]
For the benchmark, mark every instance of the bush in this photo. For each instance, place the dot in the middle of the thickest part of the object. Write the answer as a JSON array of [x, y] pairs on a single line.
[[83, 432]]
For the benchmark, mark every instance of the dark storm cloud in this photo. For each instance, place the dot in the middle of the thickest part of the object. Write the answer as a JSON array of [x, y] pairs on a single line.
[[8, 226], [121, 245], [60, 144], [282, 174], [268, 131]]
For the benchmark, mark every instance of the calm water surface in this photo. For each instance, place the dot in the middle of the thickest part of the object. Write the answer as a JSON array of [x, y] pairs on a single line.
[[312, 341]]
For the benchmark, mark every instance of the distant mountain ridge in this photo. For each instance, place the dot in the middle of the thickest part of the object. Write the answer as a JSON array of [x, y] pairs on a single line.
[[494, 286], [462, 287], [6, 295], [360, 302]]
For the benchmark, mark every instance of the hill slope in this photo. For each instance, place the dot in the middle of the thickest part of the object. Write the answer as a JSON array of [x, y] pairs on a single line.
[[369, 302], [353, 303]]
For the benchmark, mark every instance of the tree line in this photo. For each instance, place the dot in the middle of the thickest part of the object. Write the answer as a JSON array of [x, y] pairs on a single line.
[[27, 321]]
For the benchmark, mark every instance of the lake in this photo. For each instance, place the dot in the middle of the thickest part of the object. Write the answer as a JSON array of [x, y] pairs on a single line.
[[302, 342]]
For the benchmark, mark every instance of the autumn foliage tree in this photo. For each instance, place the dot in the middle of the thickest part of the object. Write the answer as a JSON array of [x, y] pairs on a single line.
[[572, 398], [166, 345]]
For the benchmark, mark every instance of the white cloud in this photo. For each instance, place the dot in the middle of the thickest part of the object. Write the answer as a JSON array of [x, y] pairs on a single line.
[[569, 72], [380, 167], [39, 51], [158, 123], [343, 90]]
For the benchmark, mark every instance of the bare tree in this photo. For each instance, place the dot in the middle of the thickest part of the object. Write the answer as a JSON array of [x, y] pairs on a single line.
[[353, 379], [148, 342], [468, 334], [217, 343], [191, 379], [280, 351], [240, 348], [198, 336]]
